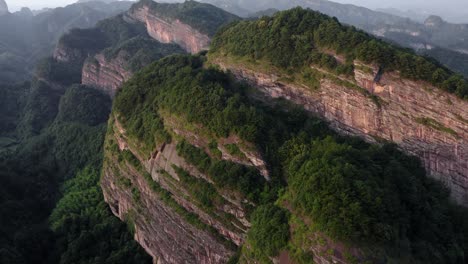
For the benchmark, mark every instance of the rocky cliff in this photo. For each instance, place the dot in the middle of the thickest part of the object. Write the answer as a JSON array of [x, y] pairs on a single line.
[[108, 76], [190, 25], [421, 119], [152, 195], [171, 31], [109, 69], [117, 47]]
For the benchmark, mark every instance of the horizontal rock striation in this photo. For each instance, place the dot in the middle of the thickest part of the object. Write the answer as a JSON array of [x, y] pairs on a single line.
[[105, 75], [168, 30], [422, 120], [160, 227]]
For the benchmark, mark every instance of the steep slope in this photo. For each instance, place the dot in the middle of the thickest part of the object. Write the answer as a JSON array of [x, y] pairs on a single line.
[[190, 24], [196, 167], [109, 69], [441, 40], [367, 88], [148, 32], [35, 36], [180, 212], [52, 131]]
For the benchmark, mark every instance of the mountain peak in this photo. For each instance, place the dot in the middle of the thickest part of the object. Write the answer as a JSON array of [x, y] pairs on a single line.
[[434, 21], [3, 7]]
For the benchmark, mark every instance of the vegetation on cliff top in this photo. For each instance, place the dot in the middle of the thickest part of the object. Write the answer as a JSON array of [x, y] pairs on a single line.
[[141, 51], [205, 18], [83, 228], [81, 43], [371, 196], [297, 38], [83, 217]]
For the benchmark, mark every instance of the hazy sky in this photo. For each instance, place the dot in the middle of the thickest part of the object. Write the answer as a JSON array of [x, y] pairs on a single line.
[[448, 8], [405, 4]]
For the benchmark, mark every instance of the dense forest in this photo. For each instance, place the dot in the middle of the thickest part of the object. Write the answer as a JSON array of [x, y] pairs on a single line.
[[81, 229], [372, 196], [205, 18], [321, 184], [297, 38]]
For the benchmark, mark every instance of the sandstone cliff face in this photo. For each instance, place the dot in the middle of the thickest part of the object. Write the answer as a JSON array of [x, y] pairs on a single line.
[[171, 31], [160, 224], [421, 119], [108, 76]]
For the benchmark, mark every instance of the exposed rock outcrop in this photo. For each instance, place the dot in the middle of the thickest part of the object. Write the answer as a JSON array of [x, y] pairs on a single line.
[[422, 120], [160, 223], [108, 76], [167, 30]]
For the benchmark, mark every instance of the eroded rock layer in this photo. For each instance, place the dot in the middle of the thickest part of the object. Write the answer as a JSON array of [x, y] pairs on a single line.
[[422, 120], [105, 75], [167, 30], [153, 199]]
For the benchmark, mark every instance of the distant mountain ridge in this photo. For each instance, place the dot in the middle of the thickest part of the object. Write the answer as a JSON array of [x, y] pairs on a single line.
[[35, 36], [442, 40], [3, 7]]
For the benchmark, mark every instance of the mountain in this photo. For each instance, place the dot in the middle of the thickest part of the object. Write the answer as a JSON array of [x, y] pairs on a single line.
[[117, 47], [203, 20], [443, 41], [3, 7], [295, 138], [35, 36], [418, 16], [372, 66], [51, 137]]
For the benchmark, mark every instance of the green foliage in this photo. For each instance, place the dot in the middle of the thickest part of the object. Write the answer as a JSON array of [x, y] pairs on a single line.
[[213, 146], [200, 189], [86, 229], [190, 217], [179, 85], [107, 32], [141, 51], [12, 102], [234, 150], [84, 105], [79, 44], [270, 230], [59, 72], [70, 137], [296, 38], [40, 109], [225, 174], [372, 195], [436, 125], [205, 18]]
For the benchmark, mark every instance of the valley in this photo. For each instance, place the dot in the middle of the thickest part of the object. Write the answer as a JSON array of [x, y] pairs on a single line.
[[182, 133]]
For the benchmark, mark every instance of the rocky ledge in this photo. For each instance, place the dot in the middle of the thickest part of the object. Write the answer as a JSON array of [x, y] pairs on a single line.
[[423, 120]]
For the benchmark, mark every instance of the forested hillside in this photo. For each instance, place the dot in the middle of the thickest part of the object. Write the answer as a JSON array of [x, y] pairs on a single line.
[[52, 132], [297, 38], [374, 201], [35, 36], [287, 141]]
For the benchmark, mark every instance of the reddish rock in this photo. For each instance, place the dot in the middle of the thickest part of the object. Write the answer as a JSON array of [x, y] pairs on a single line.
[[394, 114], [166, 30], [105, 75], [162, 231]]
